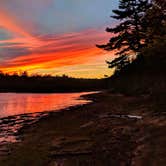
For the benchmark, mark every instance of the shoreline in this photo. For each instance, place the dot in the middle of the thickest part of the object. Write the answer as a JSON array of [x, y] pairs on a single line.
[[28, 119], [91, 135]]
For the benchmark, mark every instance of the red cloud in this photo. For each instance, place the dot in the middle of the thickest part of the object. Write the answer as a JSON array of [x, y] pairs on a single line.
[[54, 51]]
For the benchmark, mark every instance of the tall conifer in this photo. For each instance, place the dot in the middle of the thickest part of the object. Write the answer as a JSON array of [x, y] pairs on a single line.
[[128, 34]]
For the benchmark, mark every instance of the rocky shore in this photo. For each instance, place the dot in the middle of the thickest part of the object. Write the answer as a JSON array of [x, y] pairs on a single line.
[[114, 130]]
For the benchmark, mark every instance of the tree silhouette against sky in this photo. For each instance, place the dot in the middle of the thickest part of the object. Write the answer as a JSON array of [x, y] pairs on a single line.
[[129, 34]]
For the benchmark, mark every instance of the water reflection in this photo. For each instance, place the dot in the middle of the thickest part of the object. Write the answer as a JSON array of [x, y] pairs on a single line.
[[14, 104], [17, 110]]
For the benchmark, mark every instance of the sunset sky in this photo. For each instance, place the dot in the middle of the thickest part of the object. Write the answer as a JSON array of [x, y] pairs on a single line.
[[55, 36]]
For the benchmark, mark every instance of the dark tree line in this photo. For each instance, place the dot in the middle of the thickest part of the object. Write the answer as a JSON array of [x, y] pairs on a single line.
[[47, 83]]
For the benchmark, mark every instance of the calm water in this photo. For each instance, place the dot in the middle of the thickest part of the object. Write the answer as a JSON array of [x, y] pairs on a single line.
[[19, 109], [22, 103]]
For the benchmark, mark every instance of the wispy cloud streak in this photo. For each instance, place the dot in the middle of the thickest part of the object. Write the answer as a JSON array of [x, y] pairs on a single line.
[[31, 45], [51, 51]]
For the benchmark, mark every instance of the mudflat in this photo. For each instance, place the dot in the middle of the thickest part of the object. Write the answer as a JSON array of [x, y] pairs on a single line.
[[114, 130]]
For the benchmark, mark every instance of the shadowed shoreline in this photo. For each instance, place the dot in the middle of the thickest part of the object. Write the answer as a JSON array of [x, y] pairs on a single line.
[[100, 133]]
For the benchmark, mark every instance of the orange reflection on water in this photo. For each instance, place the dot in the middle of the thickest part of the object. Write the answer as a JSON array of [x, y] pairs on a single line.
[[14, 104], [33, 106]]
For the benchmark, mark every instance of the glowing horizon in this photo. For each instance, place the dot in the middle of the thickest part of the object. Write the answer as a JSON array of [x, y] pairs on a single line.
[[26, 45]]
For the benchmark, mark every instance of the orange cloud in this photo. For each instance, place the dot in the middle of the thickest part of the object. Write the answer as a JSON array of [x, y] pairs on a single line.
[[24, 38], [34, 53], [54, 51], [9, 23], [50, 60]]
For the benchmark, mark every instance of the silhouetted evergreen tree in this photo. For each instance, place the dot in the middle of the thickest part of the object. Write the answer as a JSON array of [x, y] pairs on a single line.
[[119, 63], [154, 22], [129, 34]]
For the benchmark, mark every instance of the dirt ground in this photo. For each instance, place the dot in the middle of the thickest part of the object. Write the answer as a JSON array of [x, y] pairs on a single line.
[[115, 130]]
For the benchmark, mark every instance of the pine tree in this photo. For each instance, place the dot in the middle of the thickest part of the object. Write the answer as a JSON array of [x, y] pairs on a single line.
[[119, 63], [129, 34], [154, 22]]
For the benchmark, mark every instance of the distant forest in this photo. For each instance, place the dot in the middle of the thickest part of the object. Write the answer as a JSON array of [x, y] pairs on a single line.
[[48, 83]]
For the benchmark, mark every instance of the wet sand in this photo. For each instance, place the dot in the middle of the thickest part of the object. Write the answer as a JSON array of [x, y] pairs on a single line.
[[114, 130]]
